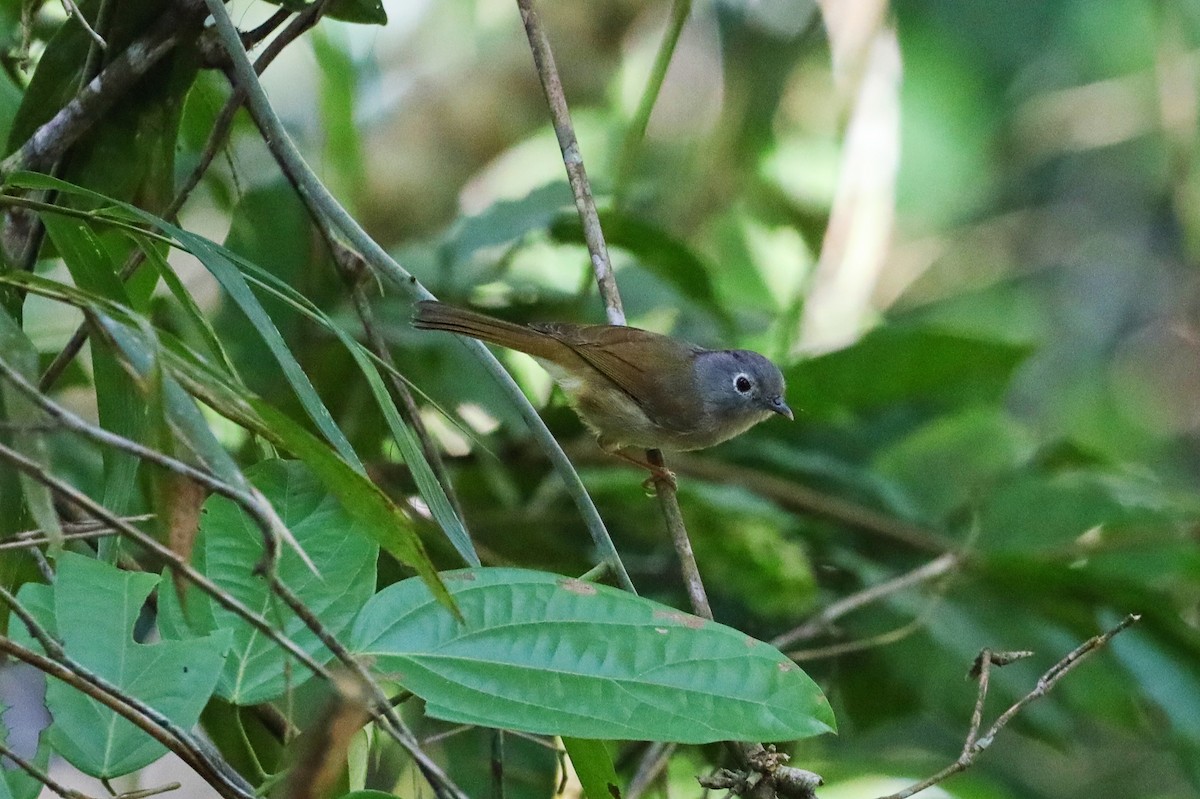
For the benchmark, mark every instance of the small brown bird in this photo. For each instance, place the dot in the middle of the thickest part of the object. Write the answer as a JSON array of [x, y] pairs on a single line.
[[633, 388]]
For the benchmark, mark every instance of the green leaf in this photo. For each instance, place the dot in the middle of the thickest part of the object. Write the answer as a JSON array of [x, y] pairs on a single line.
[[18, 352], [546, 654], [900, 365], [976, 446], [1033, 511], [219, 262], [594, 767], [120, 409], [228, 547], [94, 610]]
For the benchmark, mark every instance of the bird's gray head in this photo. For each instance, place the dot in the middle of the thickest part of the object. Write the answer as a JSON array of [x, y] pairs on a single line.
[[740, 386]]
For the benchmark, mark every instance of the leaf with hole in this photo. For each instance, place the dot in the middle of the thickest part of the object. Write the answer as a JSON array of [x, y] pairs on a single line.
[[93, 609]]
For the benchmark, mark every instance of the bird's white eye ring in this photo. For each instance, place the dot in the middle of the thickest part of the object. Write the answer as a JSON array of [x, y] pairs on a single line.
[[742, 384]]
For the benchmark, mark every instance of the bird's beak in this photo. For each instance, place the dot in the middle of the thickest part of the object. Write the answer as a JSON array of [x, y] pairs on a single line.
[[780, 407]]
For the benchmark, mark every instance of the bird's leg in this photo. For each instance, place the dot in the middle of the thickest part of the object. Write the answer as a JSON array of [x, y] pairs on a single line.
[[657, 473]]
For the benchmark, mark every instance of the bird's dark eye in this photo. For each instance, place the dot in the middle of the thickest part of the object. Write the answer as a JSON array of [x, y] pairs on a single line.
[[742, 384]]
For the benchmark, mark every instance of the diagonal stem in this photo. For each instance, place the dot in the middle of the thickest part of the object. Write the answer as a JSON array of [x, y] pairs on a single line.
[[330, 213]]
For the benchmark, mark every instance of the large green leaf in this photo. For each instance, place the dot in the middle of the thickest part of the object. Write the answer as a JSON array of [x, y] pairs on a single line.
[[912, 365], [227, 549], [93, 607], [551, 655]]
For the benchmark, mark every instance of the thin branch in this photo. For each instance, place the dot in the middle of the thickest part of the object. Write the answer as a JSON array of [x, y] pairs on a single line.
[[40, 775], [37, 541], [88, 525], [683, 545], [329, 212], [973, 748], [820, 623], [73, 11], [543, 59], [863, 644]]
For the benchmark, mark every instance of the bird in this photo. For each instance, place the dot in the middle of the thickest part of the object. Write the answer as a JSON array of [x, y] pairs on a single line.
[[635, 389]]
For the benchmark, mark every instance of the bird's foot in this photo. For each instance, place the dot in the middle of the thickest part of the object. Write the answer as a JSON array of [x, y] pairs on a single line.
[[659, 475]]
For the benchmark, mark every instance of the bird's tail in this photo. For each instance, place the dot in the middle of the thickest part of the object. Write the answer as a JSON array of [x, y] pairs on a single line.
[[434, 315]]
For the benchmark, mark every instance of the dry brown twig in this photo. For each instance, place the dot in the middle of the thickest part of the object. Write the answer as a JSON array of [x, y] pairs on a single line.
[[975, 743]]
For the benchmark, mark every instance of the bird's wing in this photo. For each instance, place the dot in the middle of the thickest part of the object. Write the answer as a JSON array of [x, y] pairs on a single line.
[[655, 371]]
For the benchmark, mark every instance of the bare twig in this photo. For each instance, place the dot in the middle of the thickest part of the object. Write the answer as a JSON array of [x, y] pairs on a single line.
[[37, 541], [74, 530], [863, 644], [976, 746], [73, 11], [834, 611], [543, 60]]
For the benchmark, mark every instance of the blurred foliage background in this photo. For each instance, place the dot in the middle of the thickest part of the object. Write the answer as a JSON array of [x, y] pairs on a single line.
[[969, 230]]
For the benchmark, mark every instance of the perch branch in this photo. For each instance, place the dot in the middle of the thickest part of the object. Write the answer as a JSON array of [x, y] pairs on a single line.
[[560, 115], [543, 60]]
